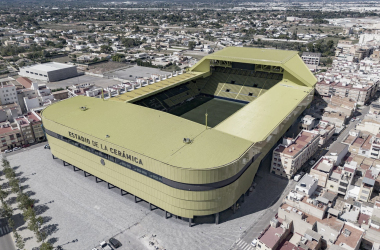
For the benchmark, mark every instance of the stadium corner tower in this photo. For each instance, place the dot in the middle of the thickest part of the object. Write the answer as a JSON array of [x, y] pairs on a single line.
[[189, 143]]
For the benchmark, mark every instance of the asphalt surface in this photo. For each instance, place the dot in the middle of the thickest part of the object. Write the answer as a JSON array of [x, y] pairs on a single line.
[[6, 240]]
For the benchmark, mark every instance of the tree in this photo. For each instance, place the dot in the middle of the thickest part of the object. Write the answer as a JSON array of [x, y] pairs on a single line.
[[191, 45], [46, 246], [19, 241], [11, 224], [3, 195], [24, 201], [15, 185], [330, 44], [106, 49], [29, 213], [7, 210]]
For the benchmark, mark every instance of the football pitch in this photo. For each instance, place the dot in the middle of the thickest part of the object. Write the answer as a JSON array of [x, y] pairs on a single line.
[[217, 110]]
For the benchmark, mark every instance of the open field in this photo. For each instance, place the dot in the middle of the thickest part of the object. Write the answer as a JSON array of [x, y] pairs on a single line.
[[217, 110]]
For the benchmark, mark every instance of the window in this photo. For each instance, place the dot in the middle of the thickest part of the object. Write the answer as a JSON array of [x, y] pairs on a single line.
[[27, 72], [250, 94], [227, 90]]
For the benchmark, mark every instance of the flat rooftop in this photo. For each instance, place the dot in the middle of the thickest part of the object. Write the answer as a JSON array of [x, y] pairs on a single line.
[[50, 66]]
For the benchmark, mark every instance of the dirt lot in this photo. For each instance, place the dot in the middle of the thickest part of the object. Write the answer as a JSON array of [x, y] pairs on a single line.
[[101, 68]]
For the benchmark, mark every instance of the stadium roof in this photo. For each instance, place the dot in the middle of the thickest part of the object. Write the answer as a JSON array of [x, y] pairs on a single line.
[[287, 59], [258, 56], [157, 87], [256, 120], [149, 132]]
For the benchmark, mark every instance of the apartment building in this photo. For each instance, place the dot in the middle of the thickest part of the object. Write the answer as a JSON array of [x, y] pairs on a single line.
[[326, 130], [8, 93], [273, 235], [367, 184], [10, 136], [26, 130], [341, 178], [338, 119], [308, 122], [311, 58], [322, 170], [308, 184], [36, 125], [289, 156]]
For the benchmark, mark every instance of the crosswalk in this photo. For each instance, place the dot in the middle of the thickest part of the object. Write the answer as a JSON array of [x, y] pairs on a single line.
[[244, 245], [4, 230]]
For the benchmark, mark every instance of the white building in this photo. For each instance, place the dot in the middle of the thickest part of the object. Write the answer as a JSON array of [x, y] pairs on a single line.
[[8, 93], [308, 184], [51, 71]]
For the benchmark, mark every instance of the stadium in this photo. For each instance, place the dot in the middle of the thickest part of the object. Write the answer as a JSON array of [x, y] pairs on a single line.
[[191, 143]]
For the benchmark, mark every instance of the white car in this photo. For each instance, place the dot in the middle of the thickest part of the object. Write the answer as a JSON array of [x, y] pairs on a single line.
[[8, 151], [254, 242], [105, 246], [16, 148]]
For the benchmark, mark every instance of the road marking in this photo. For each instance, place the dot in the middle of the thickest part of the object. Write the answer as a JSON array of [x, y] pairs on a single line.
[[244, 245], [240, 243], [247, 247]]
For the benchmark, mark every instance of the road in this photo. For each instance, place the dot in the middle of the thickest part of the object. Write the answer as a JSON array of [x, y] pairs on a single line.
[[25, 149], [244, 243]]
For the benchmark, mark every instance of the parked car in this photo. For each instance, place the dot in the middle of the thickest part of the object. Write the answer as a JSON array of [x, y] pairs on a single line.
[[8, 151], [254, 242], [311, 163], [47, 146], [16, 148], [105, 246], [115, 243], [297, 177], [25, 146]]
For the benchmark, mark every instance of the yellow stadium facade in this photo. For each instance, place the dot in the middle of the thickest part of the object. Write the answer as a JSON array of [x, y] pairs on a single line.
[[180, 166]]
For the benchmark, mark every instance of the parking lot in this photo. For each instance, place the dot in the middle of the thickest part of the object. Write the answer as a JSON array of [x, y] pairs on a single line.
[[80, 213], [135, 71], [98, 81]]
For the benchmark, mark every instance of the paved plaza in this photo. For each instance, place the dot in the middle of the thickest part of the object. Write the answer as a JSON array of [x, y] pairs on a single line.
[[135, 71], [79, 212]]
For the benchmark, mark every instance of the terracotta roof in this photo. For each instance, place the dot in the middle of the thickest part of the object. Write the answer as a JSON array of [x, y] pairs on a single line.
[[24, 82], [298, 145], [271, 236], [352, 239]]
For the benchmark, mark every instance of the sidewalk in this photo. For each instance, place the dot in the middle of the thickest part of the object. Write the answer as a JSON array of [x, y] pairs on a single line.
[[21, 226]]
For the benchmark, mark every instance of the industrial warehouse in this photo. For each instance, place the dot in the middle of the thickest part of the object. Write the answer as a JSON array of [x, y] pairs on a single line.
[[51, 71], [191, 143]]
